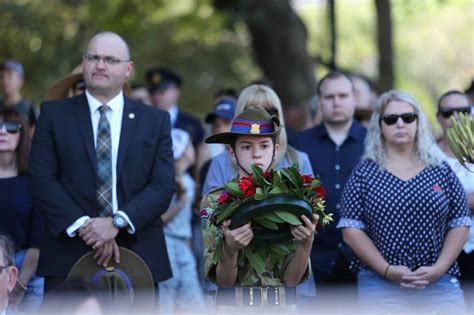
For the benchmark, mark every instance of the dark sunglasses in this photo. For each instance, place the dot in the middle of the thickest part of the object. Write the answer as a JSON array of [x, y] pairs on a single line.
[[10, 127], [448, 112], [392, 119]]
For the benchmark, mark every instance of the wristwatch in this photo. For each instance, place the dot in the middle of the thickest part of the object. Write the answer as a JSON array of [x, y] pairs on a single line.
[[119, 221]]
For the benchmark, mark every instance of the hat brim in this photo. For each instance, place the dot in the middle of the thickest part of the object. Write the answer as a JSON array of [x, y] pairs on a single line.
[[130, 263], [229, 137], [62, 88]]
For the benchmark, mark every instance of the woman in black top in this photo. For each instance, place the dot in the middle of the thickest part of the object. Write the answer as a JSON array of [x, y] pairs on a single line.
[[18, 218]]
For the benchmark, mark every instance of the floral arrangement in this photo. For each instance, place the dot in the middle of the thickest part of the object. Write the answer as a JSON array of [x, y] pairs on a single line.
[[262, 187], [461, 139]]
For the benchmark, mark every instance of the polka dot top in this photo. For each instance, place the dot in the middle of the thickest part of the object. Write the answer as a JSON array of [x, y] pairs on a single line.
[[406, 220]]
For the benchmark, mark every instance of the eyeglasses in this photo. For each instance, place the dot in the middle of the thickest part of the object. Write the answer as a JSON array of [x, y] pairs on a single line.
[[4, 267], [106, 59], [392, 119], [448, 112], [10, 127]]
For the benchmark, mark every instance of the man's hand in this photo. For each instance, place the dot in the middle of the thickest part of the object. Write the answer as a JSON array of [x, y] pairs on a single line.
[[105, 252], [97, 231]]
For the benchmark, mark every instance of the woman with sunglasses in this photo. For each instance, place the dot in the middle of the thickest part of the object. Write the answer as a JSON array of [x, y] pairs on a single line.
[[405, 216], [18, 218]]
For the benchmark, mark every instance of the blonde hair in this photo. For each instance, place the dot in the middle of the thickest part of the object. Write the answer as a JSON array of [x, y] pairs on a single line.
[[261, 96], [424, 140]]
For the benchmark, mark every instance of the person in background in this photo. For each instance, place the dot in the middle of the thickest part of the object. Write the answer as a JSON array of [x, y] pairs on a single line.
[[165, 89], [12, 79], [408, 229], [451, 103], [20, 220], [140, 93], [334, 148], [182, 293], [8, 272], [365, 99]]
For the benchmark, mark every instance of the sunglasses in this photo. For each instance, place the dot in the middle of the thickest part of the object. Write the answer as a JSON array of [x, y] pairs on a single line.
[[10, 127], [448, 112], [392, 119]]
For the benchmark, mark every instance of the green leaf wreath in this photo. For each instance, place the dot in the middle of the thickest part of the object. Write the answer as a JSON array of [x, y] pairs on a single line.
[[281, 195]]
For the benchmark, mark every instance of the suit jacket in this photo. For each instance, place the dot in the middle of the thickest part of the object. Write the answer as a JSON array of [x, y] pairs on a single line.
[[63, 174], [192, 125]]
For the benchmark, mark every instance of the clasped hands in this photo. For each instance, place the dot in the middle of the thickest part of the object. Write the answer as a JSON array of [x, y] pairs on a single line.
[[100, 233], [417, 279]]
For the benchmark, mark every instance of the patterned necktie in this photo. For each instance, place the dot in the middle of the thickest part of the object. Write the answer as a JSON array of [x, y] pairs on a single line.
[[104, 164]]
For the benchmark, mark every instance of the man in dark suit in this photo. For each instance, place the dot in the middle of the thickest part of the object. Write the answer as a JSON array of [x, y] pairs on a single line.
[[101, 167], [165, 89]]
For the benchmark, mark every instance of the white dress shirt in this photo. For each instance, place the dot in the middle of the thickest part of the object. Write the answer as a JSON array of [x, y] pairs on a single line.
[[114, 116]]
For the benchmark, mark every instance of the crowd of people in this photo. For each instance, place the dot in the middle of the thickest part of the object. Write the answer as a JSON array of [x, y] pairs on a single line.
[[123, 170]]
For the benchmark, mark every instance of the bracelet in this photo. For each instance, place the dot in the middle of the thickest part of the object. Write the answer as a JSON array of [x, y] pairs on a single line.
[[22, 286], [386, 270]]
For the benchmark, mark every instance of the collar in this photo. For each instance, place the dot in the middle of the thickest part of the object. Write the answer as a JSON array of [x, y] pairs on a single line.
[[357, 131], [173, 111], [115, 103]]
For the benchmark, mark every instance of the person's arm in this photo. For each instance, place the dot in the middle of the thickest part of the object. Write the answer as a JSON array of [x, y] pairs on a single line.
[[304, 235], [50, 196], [26, 272], [470, 202], [234, 241]]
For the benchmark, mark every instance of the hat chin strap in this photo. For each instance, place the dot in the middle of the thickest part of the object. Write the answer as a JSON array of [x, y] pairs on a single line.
[[243, 169]]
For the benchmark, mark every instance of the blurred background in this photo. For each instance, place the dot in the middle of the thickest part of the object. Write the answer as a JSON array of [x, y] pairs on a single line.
[[425, 47]]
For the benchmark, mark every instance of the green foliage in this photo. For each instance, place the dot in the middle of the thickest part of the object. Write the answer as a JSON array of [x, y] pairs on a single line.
[[189, 36]]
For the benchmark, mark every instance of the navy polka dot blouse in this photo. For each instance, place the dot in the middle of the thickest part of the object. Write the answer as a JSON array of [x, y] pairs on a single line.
[[406, 220]]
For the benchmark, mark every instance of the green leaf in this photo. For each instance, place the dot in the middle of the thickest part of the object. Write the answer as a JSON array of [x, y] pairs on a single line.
[[226, 213], [269, 224], [273, 217], [280, 249], [234, 189], [258, 173], [217, 253], [255, 260], [259, 194], [288, 217], [276, 190], [289, 176]]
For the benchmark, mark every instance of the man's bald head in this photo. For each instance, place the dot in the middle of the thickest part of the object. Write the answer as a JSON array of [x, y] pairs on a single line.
[[112, 36]]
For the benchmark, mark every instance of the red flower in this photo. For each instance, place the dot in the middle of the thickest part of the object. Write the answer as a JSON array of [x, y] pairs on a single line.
[[320, 192], [307, 179], [268, 175], [223, 197], [247, 187]]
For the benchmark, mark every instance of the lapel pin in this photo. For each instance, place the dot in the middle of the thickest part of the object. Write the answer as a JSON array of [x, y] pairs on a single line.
[[131, 115]]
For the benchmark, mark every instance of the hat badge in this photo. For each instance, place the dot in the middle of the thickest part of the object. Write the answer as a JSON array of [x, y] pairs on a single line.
[[255, 129]]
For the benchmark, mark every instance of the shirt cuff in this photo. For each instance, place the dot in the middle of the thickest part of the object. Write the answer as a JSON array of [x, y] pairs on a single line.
[[131, 227], [462, 221], [345, 222], [71, 230]]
